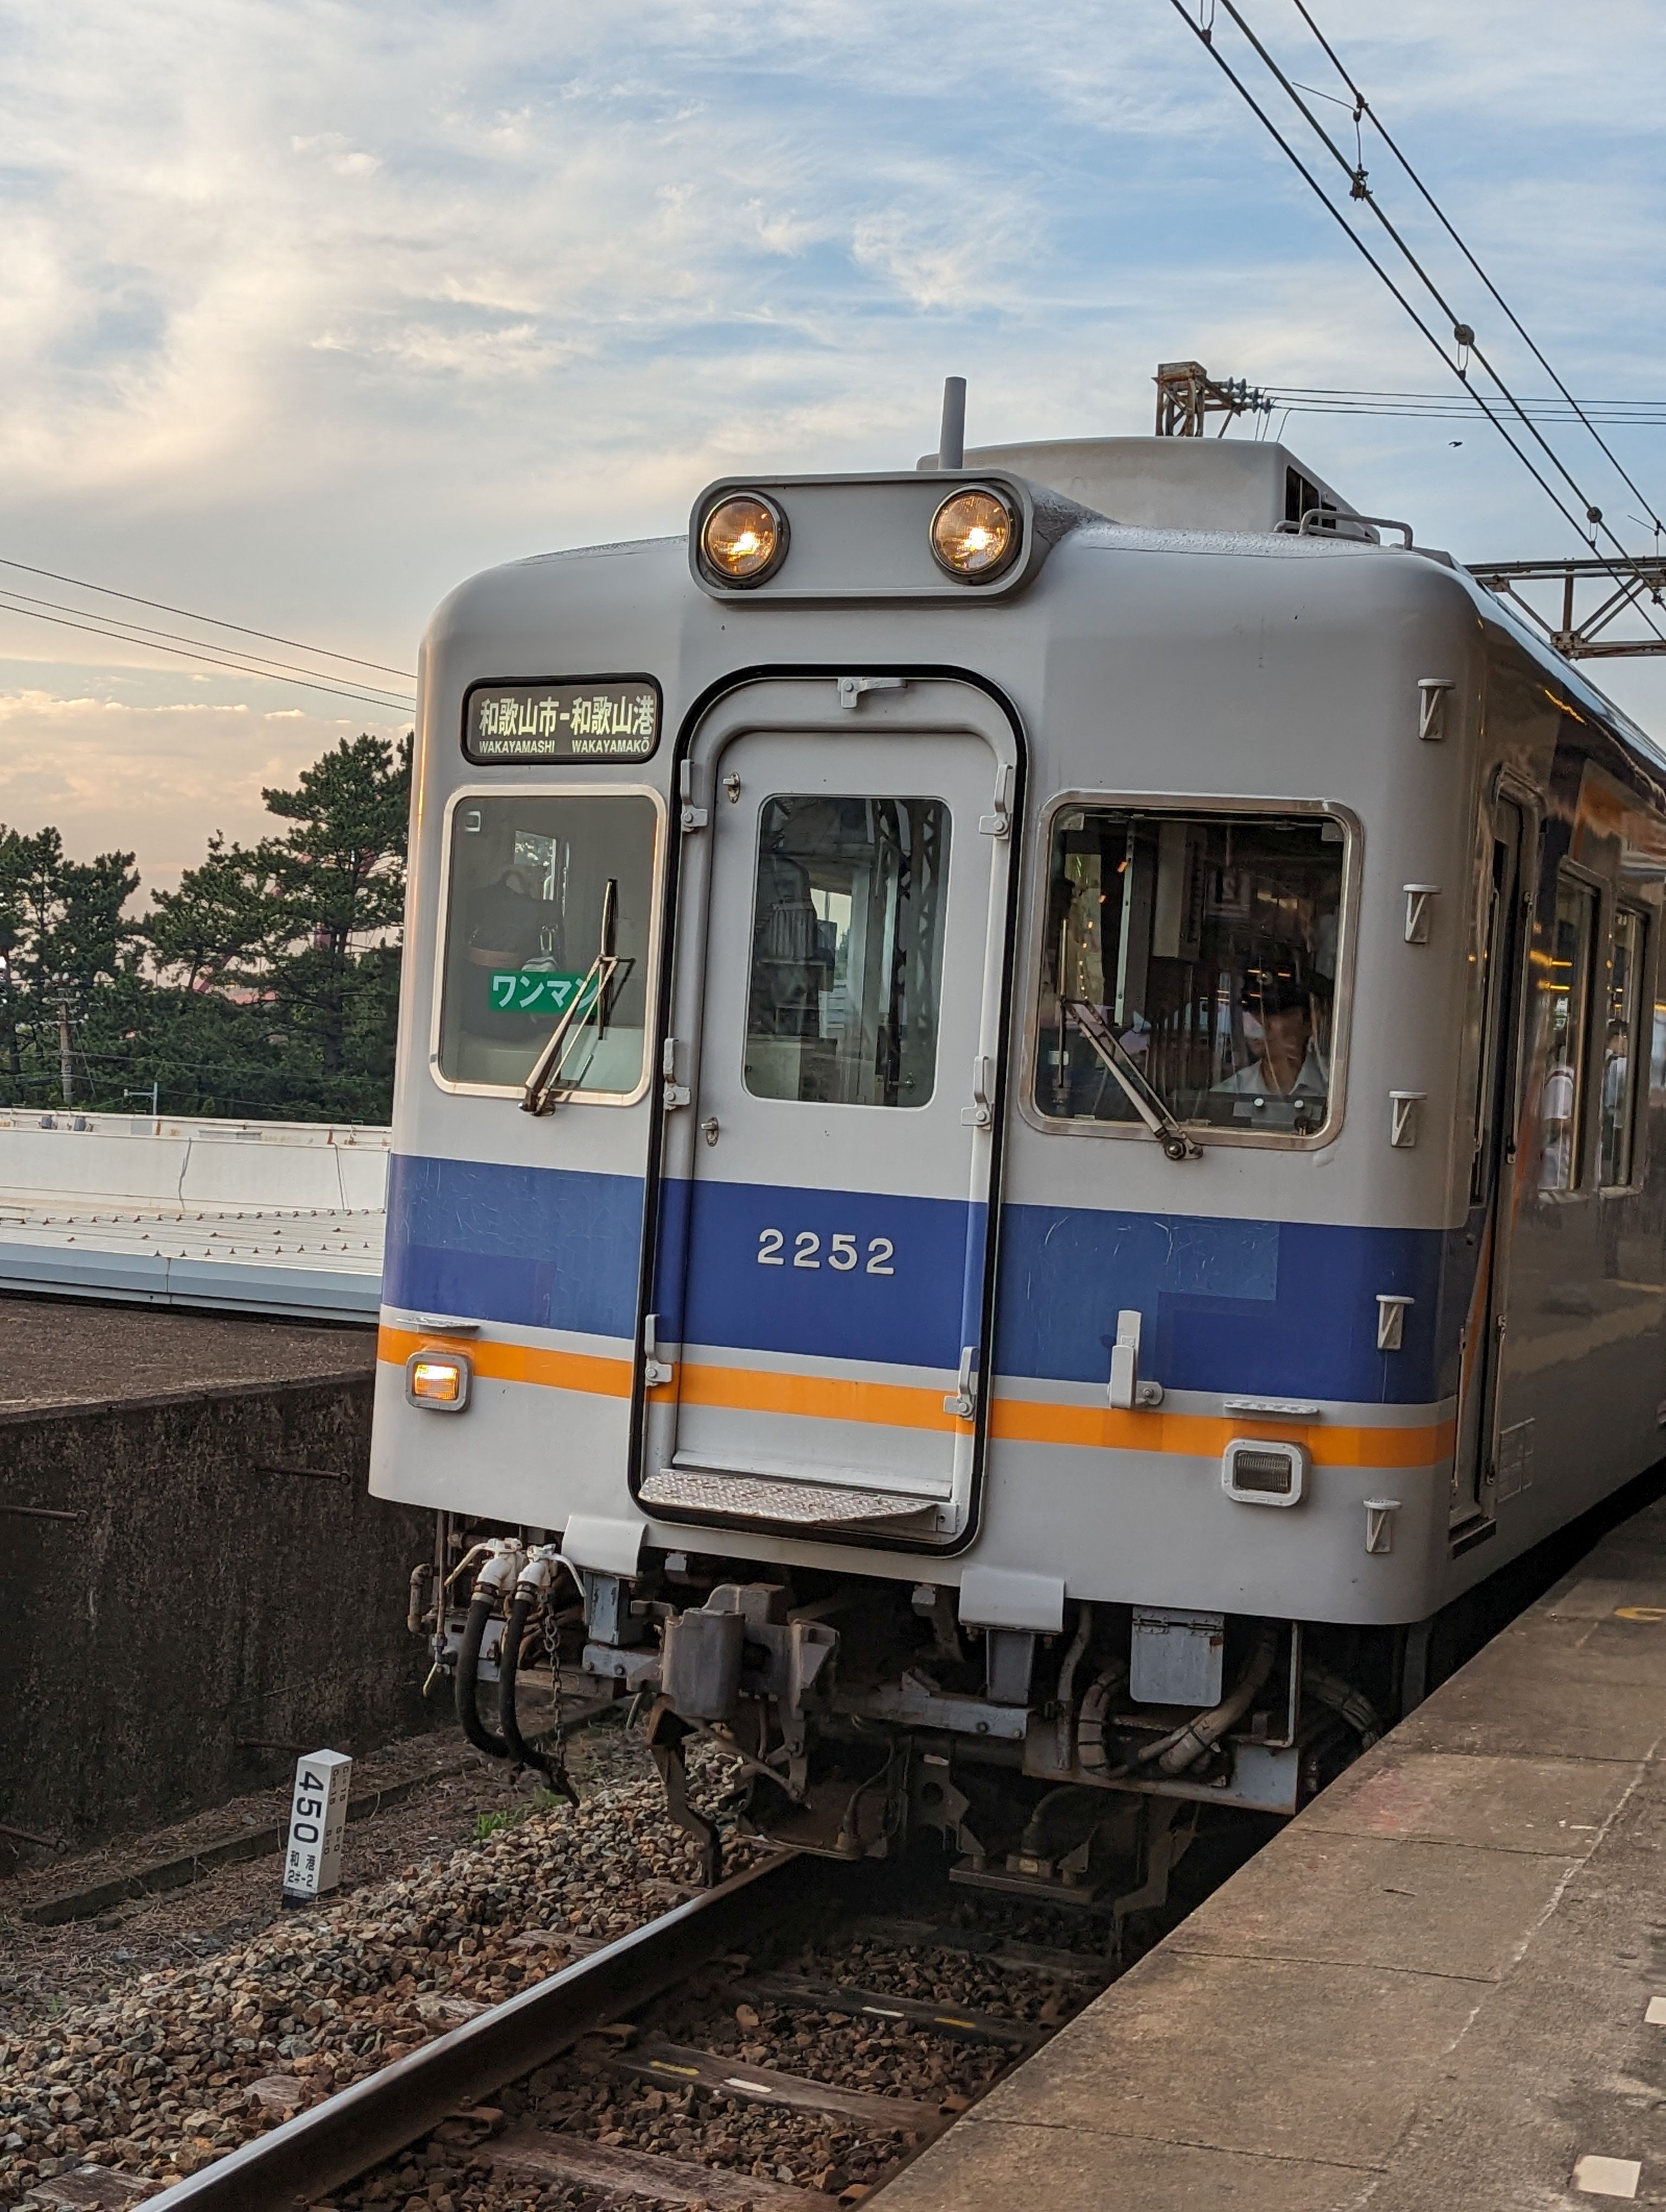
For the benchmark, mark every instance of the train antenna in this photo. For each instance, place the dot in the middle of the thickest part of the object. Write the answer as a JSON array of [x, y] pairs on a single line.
[[952, 438]]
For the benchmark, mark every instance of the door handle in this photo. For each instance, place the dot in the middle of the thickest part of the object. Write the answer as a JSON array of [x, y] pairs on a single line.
[[962, 1400], [999, 823], [981, 1114], [1125, 1388]]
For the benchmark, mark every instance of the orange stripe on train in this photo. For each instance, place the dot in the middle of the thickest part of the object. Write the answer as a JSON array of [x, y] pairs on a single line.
[[517, 1363], [898, 1406]]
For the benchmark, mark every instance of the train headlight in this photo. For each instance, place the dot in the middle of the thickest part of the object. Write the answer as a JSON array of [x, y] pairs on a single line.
[[975, 535], [743, 538], [438, 1381]]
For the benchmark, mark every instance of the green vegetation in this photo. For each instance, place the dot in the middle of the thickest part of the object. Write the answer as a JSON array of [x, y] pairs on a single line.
[[266, 986], [487, 1824]]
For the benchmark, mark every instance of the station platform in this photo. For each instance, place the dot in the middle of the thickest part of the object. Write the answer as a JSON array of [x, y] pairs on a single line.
[[1443, 1984]]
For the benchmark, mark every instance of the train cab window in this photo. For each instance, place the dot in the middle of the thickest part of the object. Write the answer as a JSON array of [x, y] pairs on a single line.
[[538, 880], [1561, 1034], [1195, 954], [1622, 1049], [846, 957]]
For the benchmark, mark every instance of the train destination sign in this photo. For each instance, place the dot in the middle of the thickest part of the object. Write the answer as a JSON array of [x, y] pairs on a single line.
[[613, 720]]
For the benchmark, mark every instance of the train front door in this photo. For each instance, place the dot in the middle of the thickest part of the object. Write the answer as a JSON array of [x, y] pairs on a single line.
[[825, 1207]]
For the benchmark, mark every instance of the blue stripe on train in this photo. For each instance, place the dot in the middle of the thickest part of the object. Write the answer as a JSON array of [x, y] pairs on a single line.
[[1265, 1308], [903, 1301], [538, 1246], [1282, 1308]]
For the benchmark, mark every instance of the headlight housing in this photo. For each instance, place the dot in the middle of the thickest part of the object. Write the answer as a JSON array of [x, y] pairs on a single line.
[[438, 1381], [743, 539], [975, 535], [1264, 1473]]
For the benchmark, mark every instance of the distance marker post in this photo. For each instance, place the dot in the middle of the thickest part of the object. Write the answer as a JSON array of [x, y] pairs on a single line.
[[311, 1862]]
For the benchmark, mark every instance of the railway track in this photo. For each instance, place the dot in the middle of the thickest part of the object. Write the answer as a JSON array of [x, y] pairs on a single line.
[[802, 2011]]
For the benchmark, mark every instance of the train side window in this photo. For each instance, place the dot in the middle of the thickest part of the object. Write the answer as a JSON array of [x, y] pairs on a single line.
[[1201, 951], [525, 898], [1622, 1048], [847, 950], [1561, 1034]]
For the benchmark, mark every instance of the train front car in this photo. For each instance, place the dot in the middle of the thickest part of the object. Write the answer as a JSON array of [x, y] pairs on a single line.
[[952, 1153]]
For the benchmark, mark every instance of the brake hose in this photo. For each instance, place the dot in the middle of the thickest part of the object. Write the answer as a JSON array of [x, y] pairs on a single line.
[[468, 1679]]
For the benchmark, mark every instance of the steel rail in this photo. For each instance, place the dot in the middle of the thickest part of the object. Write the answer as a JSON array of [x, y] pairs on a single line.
[[318, 2150]]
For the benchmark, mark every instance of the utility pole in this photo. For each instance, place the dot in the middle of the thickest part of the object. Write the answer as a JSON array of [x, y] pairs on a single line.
[[65, 1064]]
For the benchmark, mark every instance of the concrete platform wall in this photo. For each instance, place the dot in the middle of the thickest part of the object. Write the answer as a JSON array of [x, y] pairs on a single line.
[[209, 1613], [181, 1165], [240, 1217]]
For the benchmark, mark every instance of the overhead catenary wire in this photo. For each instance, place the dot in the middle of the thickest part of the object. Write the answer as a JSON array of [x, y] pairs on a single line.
[[210, 659], [1358, 188], [1461, 332], [1363, 107], [25, 602], [1441, 406], [1463, 335], [215, 622], [1358, 244]]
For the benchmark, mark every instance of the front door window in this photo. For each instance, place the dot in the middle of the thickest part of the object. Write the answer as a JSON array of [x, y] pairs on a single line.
[[846, 956]]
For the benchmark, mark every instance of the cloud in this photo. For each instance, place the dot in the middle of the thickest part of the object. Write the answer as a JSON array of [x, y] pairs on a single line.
[[310, 311], [116, 774]]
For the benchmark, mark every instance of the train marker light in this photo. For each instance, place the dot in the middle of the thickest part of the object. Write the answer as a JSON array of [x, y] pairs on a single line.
[[438, 1381], [1262, 1474], [975, 535], [743, 538]]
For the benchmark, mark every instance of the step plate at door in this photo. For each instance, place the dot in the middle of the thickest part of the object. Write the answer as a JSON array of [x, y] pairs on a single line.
[[762, 1498]]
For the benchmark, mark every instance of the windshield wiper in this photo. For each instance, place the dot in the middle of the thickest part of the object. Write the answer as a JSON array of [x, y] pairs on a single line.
[[544, 1088], [1118, 1063]]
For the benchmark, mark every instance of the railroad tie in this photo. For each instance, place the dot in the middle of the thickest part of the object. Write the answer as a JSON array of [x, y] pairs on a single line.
[[677, 2066], [793, 1994], [1001, 1956], [93, 2189], [621, 2172]]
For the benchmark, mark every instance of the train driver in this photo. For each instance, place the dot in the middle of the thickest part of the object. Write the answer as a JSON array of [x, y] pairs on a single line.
[[503, 920], [1287, 1065]]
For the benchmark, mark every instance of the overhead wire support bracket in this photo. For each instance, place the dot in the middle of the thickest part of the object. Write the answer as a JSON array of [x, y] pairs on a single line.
[[1187, 394], [1584, 638]]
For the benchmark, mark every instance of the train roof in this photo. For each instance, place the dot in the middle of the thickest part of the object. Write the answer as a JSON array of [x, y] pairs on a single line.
[[1169, 483], [1243, 498]]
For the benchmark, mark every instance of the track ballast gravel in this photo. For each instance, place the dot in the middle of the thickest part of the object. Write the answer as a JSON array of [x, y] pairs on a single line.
[[188, 2064]]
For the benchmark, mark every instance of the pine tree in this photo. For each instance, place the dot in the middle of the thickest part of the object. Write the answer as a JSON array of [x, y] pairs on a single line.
[[302, 929]]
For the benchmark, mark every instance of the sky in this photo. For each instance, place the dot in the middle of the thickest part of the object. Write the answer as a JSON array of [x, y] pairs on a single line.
[[309, 310]]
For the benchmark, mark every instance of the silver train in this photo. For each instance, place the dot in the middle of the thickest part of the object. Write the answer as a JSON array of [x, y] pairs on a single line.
[[1026, 1134]]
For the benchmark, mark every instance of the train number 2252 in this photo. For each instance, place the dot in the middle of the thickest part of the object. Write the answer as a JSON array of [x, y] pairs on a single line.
[[842, 1255]]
